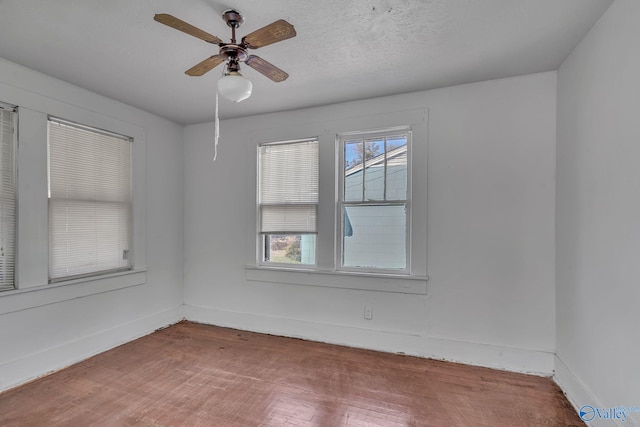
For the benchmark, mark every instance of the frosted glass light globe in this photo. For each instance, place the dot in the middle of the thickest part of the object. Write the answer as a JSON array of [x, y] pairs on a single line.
[[234, 87]]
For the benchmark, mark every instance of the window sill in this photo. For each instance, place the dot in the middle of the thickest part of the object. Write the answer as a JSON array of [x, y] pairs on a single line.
[[22, 299], [339, 279]]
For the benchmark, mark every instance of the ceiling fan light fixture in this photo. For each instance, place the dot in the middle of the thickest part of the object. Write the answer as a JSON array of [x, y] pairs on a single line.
[[234, 86]]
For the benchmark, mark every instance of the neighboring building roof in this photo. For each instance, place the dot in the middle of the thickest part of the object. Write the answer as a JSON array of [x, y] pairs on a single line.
[[397, 156]]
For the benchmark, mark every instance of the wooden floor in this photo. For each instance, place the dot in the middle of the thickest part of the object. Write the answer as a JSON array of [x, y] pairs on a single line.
[[199, 375]]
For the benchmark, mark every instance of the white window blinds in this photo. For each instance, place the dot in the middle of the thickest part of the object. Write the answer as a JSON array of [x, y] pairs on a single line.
[[8, 120], [89, 200], [288, 195]]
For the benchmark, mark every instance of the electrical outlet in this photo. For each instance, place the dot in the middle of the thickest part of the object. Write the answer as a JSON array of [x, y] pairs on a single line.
[[368, 312]]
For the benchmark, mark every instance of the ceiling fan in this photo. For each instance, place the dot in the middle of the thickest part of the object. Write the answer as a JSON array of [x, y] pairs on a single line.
[[233, 85]]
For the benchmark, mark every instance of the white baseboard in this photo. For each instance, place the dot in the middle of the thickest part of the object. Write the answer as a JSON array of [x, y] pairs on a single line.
[[27, 368], [579, 394], [492, 356]]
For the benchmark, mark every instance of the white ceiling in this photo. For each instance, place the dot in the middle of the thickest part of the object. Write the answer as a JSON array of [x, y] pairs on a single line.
[[344, 50]]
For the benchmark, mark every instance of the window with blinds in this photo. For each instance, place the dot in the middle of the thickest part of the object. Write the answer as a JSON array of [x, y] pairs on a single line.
[[90, 223], [288, 201], [8, 121]]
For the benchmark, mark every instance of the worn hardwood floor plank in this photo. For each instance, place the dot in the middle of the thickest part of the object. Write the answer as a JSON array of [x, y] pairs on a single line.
[[200, 375]]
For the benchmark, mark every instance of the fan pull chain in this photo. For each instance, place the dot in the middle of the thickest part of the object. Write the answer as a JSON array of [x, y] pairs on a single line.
[[216, 136]]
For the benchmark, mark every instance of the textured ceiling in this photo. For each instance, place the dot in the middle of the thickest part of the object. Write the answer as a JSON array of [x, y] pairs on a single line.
[[344, 50]]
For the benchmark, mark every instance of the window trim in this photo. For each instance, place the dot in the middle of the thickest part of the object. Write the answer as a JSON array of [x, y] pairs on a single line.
[[37, 296], [32, 224], [341, 203], [339, 279], [326, 125]]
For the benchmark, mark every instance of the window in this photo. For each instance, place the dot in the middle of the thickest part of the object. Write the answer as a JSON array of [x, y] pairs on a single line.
[[373, 201], [288, 202], [90, 212], [8, 119], [370, 214]]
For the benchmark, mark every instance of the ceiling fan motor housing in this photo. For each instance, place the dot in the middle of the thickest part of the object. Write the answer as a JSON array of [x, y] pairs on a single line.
[[233, 51], [233, 18]]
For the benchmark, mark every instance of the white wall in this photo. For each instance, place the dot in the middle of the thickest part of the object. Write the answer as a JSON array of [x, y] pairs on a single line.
[[598, 213], [45, 327], [491, 202]]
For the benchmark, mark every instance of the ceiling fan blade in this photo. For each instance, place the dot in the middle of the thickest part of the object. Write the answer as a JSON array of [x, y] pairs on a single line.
[[272, 33], [205, 66], [266, 68], [180, 25]]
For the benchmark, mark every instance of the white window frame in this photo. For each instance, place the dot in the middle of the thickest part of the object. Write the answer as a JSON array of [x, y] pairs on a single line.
[[261, 237], [341, 203]]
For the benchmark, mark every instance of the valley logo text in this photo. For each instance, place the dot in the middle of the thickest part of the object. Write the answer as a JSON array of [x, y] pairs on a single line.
[[589, 413]]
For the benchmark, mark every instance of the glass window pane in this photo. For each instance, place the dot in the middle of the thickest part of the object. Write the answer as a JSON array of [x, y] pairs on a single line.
[[290, 248], [375, 236], [353, 170], [374, 174], [397, 168]]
